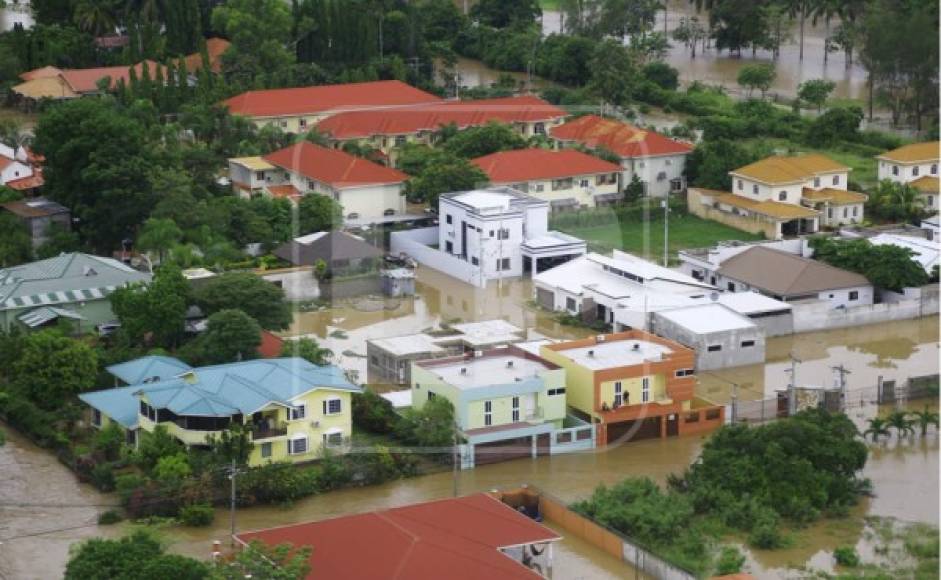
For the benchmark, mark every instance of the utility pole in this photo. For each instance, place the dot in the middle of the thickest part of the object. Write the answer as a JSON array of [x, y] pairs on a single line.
[[666, 230], [842, 371], [454, 461], [233, 471], [734, 403], [792, 387]]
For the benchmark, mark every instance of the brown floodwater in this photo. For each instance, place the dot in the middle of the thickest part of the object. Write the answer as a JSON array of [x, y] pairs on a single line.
[[43, 510]]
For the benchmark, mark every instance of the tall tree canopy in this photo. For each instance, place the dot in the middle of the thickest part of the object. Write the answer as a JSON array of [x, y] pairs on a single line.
[[258, 298]]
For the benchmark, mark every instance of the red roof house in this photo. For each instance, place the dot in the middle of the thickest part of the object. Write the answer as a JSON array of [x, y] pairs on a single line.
[[333, 167], [540, 164], [326, 98], [457, 539], [431, 117], [215, 48], [85, 80], [625, 140]]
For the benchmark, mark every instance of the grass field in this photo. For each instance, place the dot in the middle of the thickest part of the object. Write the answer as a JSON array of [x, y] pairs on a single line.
[[686, 231]]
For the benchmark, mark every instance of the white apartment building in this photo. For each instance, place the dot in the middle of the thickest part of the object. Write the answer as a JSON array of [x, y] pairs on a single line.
[[915, 164]]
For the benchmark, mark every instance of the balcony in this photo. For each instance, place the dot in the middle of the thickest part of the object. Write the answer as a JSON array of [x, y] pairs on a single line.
[[260, 432]]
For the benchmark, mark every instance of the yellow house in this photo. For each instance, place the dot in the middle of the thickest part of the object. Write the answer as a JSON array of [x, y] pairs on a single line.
[[293, 409]]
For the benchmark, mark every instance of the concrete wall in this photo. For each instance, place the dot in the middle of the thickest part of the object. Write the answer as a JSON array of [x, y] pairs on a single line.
[[338, 288], [733, 352], [298, 284], [753, 224], [777, 325], [811, 316], [416, 243]]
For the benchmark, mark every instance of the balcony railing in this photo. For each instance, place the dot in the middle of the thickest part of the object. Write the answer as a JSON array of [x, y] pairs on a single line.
[[259, 433]]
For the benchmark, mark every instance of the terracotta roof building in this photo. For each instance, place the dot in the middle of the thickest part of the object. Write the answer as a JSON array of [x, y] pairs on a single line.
[[364, 189], [297, 110], [52, 83], [215, 48], [781, 169], [657, 161], [917, 165], [466, 538], [565, 178]]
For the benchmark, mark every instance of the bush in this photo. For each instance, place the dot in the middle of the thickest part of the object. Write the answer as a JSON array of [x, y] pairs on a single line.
[[197, 515], [374, 413], [102, 477], [846, 556], [126, 484], [108, 517], [765, 535], [730, 561]]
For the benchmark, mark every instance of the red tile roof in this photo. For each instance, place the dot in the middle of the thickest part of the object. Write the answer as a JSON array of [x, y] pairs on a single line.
[[85, 80], [270, 346], [530, 164], [431, 117], [41, 73], [621, 138], [458, 539], [311, 100], [286, 191], [215, 47], [333, 167], [25, 183]]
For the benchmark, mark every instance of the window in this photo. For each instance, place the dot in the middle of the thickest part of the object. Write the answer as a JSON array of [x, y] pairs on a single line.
[[782, 196], [930, 200], [265, 450], [488, 413], [516, 409], [503, 264], [431, 395], [554, 392], [855, 211], [539, 128], [854, 295], [284, 124], [748, 343], [449, 247], [297, 413], [816, 182], [934, 169], [731, 286], [538, 187], [830, 212], [311, 185], [333, 439], [846, 212], [583, 183], [475, 261], [668, 162], [836, 180], [915, 171], [298, 445], [448, 219], [302, 123], [645, 390], [558, 184], [714, 347], [741, 185], [895, 170], [96, 417], [400, 140], [260, 175], [684, 372], [570, 304], [676, 185], [332, 406], [618, 394], [503, 234], [754, 189]]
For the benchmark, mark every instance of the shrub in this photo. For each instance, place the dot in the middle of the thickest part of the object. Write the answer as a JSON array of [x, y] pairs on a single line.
[[846, 556], [108, 517], [374, 413], [766, 535], [197, 515], [102, 477], [108, 441], [730, 561], [125, 485]]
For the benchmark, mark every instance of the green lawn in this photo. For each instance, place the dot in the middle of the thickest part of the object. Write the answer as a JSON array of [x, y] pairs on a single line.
[[686, 231]]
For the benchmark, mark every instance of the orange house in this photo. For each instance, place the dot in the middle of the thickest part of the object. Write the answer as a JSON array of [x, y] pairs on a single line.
[[633, 385]]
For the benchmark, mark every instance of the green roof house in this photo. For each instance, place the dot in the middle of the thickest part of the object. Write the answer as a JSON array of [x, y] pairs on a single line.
[[72, 286], [293, 409]]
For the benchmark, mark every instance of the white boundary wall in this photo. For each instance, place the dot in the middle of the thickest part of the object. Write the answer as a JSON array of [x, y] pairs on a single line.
[[416, 243]]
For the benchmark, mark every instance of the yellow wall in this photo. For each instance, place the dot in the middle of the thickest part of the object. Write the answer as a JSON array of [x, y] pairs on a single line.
[[634, 387], [579, 381]]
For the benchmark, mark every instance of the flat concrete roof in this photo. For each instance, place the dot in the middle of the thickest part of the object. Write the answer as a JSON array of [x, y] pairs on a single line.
[[750, 302], [487, 332], [616, 353], [488, 370], [408, 344], [707, 319]]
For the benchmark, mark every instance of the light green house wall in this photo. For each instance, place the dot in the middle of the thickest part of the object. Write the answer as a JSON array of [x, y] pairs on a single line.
[[94, 312]]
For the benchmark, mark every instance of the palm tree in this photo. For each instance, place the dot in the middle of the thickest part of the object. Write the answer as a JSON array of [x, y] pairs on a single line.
[[899, 421], [96, 17], [798, 9], [877, 428], [925, 419], [825, 9], [897, 201]]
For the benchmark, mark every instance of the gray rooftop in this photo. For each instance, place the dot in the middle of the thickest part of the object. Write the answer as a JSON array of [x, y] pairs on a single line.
[[616, 353], [489, 370]]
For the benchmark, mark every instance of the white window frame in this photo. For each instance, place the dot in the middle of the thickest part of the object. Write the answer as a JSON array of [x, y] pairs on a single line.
[[516, 409], [645, 390], [293, 451], [488, 413], [326, 406], [618, 393], [292, 412], [330, 439]]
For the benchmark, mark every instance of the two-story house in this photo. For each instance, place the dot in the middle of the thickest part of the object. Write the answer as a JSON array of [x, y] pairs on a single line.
[[917, 165], [387, 130], [367, 191], [294, 410], [502, 232], [659, 162], [298, 110], [507, 402], [633, 385], [567, 179]]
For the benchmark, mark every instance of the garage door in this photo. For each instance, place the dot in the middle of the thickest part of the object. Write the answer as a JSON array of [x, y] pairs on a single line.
[[625, 431], [503, 450]]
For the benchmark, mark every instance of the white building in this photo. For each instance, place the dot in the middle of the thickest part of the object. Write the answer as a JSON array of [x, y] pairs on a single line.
[[367, 191], [15, 166], [657, 161], [488, 234], [915, 164], [924, 251], [567, 179], [16, 12]]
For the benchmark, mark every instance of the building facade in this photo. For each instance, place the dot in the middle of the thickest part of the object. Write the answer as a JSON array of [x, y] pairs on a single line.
[[917, 165], [633, 385]]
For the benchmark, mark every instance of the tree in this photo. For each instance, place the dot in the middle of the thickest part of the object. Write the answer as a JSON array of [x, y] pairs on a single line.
[[154, 313], [138, 556], [757, 76], [52, 368], [612, 71], [435, 171], [231, 336], [738, 24], [59, 240], [256, 560], [837, 124], [690, 32], [232, 444], [815, 92], [97, 17], [318, 213], [506, 13], [258, 298], [925, 419], [799, 9], [430, 426], [259, 31], [825, 9], [663, 75], [153, 445], [899, 421], [483, 140], [878, 427], [307, 349], [171, 470], [885, 266], [893, 202], [159, 235], [16, 246], [709, 164]]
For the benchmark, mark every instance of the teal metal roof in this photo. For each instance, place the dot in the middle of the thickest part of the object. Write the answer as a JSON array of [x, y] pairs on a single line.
[[120, 404], [66, 278], [147, 368], [223, 390]]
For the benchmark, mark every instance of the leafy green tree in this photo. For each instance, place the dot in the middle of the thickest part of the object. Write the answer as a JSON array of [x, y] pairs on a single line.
[[899, 421], [435, 171], [172, 470], [318, 213], [307, 349], [138, 556], [738, 24], [259, 31], [893, 201], [506, 13], [837, 124], [159, 235], [109, 441], [711, 161], [232, 444], [757, 76], [612, 71], [483, 140], [153, 445], [16, 246], [231, 336], [730, 561], [258, 298], [430, 426], [282, 562], [154, 313], [886, 266], [96, 17], [52, 368], [925, 419], [815, 92], [663, 75], [59, 240], [878, 427]]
